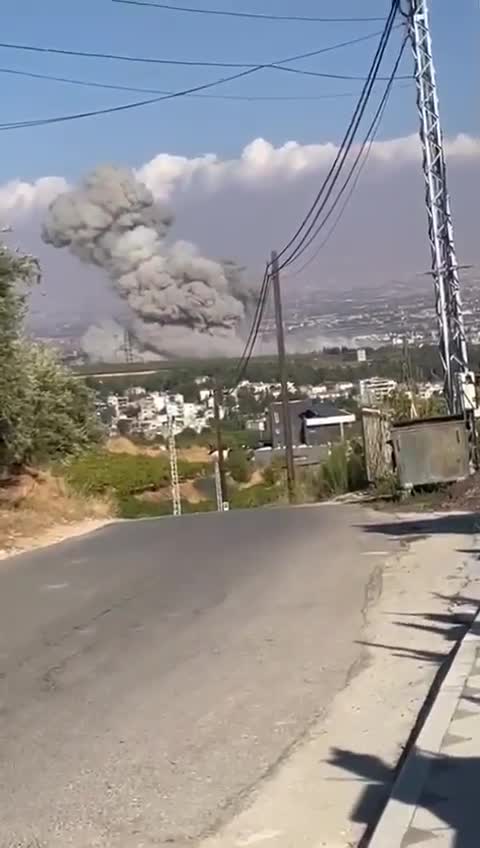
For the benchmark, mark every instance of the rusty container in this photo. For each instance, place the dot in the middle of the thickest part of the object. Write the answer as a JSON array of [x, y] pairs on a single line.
[[431, 450]]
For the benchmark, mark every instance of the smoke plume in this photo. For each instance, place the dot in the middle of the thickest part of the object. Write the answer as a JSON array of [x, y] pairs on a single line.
[[180, 303]]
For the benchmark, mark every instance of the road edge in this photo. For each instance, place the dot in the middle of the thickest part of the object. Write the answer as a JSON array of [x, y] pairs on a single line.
[[413, 774], [56, 535]]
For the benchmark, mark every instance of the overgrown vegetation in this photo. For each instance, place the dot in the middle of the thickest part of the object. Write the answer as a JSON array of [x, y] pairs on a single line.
[[342, 472], [131, 507], [404, 405], [123, 475], [330, 365], [239, 465], [46, 413], [255, 496]]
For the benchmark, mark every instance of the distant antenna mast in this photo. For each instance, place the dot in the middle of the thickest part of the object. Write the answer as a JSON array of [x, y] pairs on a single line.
[[453, 344], [172, 449], [127, 346]]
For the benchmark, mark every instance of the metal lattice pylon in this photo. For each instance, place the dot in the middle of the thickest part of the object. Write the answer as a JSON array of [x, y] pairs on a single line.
[[127, 346], [453, 345], [172, 449]]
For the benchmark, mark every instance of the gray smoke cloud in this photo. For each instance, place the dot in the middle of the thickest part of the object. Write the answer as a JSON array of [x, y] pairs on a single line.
[[180, 302]]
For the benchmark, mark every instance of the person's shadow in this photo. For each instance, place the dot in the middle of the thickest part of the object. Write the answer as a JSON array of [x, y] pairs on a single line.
[[451, 794]]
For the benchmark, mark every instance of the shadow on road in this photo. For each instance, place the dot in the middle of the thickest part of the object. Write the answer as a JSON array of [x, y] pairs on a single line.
[[451, 626], [452, 782], [420, 527], [451, 796]]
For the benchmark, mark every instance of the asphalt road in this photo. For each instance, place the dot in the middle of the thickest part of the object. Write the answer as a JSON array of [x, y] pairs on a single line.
[[153, 673]]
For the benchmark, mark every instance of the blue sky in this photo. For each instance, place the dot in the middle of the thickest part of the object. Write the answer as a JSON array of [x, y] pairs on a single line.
[[195, 126]]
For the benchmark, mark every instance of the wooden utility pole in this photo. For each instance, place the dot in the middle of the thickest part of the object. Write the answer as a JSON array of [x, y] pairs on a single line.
[[287, 423], [221, 456]]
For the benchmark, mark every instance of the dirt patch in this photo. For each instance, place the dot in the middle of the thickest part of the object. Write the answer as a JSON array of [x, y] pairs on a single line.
[[196, 453], [40, 510], [463, 495], [188, 492], [255, 480], [120, 444]]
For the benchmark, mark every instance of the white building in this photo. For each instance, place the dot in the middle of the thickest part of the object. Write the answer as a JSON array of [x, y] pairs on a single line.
[[204, 395], [375, 389]]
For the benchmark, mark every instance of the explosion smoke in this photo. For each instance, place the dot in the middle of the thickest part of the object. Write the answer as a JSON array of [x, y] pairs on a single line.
[[181, 303]]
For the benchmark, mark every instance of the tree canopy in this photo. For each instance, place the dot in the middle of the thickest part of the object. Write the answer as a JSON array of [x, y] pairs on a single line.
[[45, 411]]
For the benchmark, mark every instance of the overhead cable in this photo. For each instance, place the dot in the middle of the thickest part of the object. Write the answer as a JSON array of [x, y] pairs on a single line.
[[41, 122], [241, 97], [358, 165], [352, 77], [343, 151], [194, 63], [149, 101], [307, 238], [252, 15], [262, 300]]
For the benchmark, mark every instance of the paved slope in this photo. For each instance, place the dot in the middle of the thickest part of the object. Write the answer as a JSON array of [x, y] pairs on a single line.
[[154, 672]]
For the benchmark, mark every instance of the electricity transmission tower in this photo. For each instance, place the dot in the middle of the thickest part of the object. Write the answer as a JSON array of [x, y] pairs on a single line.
[[172, 450], [127, 346], [453, 344]]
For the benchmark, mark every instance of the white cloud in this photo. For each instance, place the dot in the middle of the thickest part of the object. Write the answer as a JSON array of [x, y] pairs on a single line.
[[259, 163], [242, 207], [20, 198]]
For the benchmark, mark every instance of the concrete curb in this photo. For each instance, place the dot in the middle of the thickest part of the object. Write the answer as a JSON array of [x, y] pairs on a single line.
[[397, 816]]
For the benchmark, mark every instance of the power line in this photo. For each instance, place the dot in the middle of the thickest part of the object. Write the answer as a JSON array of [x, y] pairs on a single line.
[[244, 360], [123, 108], [149, 101], [241, 97], [301, 249], [366, 148], [140, 103], [254, 329], [344, 149], [194, 63], [251, 15], [307, 73]]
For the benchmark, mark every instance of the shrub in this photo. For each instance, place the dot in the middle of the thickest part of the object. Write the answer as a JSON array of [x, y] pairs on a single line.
[[131, 507], [101, 472], [255, 496], [343, 471], [274, 473], [388, 486], [125, 474], [239, 465], [191, 470], [187, 438]]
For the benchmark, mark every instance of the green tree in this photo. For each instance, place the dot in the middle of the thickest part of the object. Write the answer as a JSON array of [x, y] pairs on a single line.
[[17, 273], [45, 412], [404, 406]]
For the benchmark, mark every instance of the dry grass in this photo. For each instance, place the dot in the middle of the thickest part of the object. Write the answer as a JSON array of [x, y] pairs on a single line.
[[197, 453], [255, 480], [188, 492], [47, 512], [120, 444]]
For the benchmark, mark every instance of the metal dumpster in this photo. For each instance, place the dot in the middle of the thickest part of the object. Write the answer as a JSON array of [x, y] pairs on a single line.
[[431, 450]]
